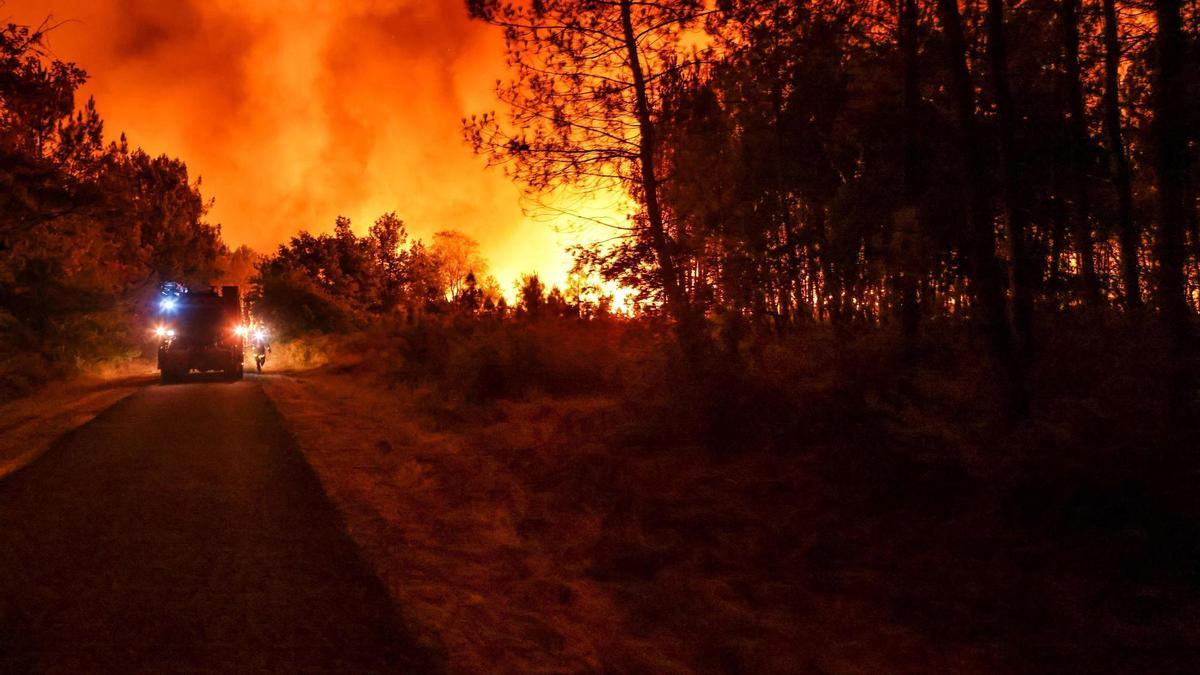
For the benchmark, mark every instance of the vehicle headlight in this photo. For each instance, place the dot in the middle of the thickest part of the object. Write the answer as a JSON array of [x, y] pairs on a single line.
[[260, 335]]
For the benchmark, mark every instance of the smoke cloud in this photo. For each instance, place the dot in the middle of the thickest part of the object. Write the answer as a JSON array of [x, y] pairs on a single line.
[[293, 112]]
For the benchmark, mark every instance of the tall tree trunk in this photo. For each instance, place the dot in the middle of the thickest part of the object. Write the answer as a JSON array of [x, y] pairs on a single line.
[[986, 274], [1171, 165], [793, 285], [1080, 202], [907, 222], [1058, 230], [1129, 236], [784, 212], [1015, 207], [677, 305]]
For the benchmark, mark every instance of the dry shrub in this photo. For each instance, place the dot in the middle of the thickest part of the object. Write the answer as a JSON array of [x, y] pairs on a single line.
[[97, 343], [305, 352], [482, 360], [1092, 384], [21, 374]]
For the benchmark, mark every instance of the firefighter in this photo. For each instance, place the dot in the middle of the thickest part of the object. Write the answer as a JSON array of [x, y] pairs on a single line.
[[261, 347]]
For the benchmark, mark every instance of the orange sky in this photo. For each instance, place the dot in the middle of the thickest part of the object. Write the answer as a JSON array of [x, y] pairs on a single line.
[[296, 111]]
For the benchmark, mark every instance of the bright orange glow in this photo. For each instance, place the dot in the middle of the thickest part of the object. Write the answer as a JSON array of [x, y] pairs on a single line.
[[294, 112]]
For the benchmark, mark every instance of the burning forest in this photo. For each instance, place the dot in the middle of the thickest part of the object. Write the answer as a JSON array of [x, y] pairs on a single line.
[[600, 336]]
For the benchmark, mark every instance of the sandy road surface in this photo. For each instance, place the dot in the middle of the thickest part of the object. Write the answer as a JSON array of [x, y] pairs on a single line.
[[181, 531]]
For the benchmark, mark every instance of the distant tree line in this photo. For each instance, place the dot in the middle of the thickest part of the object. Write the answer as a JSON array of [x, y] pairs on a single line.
[[872, 164], [88, 228], [341, 281]]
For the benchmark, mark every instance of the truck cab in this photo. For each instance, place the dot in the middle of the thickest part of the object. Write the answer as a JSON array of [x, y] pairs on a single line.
[[200, 331]]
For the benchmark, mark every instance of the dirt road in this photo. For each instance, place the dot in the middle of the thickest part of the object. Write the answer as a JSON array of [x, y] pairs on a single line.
[[181, 531]]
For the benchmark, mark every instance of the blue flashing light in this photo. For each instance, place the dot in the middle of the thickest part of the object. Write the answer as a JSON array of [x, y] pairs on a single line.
[[168, 304]]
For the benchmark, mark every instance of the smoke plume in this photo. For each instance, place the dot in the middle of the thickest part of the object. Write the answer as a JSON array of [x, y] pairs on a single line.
[[294, 112]]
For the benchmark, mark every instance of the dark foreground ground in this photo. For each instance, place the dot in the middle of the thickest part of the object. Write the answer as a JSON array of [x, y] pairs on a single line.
[[182, 531], [568, 505], [552, 529]]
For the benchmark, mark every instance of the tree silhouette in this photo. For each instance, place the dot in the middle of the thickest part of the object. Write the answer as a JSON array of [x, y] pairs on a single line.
[[584, 107], [86, 229], [457, 258], [1176, 207]]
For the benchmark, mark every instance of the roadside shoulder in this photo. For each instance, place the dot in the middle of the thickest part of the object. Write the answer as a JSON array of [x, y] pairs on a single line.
[[30, 425]]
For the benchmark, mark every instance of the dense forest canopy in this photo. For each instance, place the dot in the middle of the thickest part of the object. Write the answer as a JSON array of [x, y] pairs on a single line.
[[872, 164]]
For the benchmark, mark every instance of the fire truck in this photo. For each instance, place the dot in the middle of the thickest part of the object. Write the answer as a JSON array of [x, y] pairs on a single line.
[[201, 330]]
